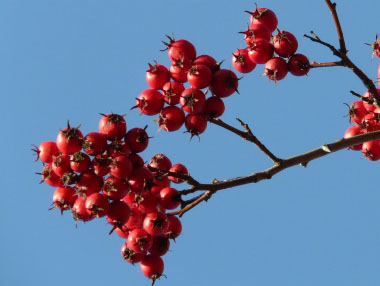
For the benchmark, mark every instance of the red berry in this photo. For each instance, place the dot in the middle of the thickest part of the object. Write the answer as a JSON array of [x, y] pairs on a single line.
[[298, 65], [371, 150], [157, 76], [208, 61], [276, 69], [192, 100], [199, 76], [180, 49], [113, 126], [171, 118], [121, 167], [150, 102], [353, 131], [255, 33], [260, 51], [97, 204], [156, 223], [64, 198], [285, 44], [94, 143], [139, 240], [265, 17], [241, 62], [224, 83], [175, 227], [172, 91], [137, 139], [214, 107], [152, 266], [196, 124], [178, 168], [69, 140], [169, 198], [80, 162], [46, 151]]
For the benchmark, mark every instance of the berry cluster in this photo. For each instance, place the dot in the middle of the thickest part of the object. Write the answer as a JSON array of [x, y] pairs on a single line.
[[365, 116], [102, 175], [262, 46], [178, 104]]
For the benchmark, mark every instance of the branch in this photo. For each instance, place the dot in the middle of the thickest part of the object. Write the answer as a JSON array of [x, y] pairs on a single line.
[[301, 159], [332, 7], [246, 135], [328, 64], [342, 54]]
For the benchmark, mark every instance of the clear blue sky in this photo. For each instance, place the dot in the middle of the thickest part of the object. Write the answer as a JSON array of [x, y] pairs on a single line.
[[72, 60]]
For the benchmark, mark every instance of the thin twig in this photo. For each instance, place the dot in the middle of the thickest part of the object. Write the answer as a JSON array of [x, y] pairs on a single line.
[[342, 54], [327, 64], [342, 43], [246, 135]]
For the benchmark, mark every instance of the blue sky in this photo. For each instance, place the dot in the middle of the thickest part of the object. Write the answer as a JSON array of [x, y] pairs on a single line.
[[71, 60]]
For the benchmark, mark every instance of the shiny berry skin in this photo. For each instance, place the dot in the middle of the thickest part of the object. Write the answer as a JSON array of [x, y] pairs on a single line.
[[139, 240], [152, 266], [175, 227], [130, 256], [178, 71], [357, 111], [157, 75], [180, 49], [118, 214], [255, 33], [171, 118], [285, 44], [114, 188], [369, 101], [371, 150], [199, 76], [265, 17], [178, 168], [241, 62], [79, 211], [353, 131], [172, 91], [156, 223], [137, 139], [224, 83], [64, 198], [69, 140], [192, 100], [159, 161], [214, 107], [276, 69], [97, 204], [160, 245], [208, 61], [260, 51], [196, 124], [121, 167], [94, 143], [299, 65], [169, 198], [61, 164], [150, 102], [113, 126], [46, 151], [88, 183], [80, 162], [51, 178]]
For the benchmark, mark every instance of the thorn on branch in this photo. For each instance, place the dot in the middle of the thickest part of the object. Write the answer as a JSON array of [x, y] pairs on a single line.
[[326, 148]]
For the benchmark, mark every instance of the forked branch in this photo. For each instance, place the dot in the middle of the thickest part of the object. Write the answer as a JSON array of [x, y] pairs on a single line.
[[342, 54]]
